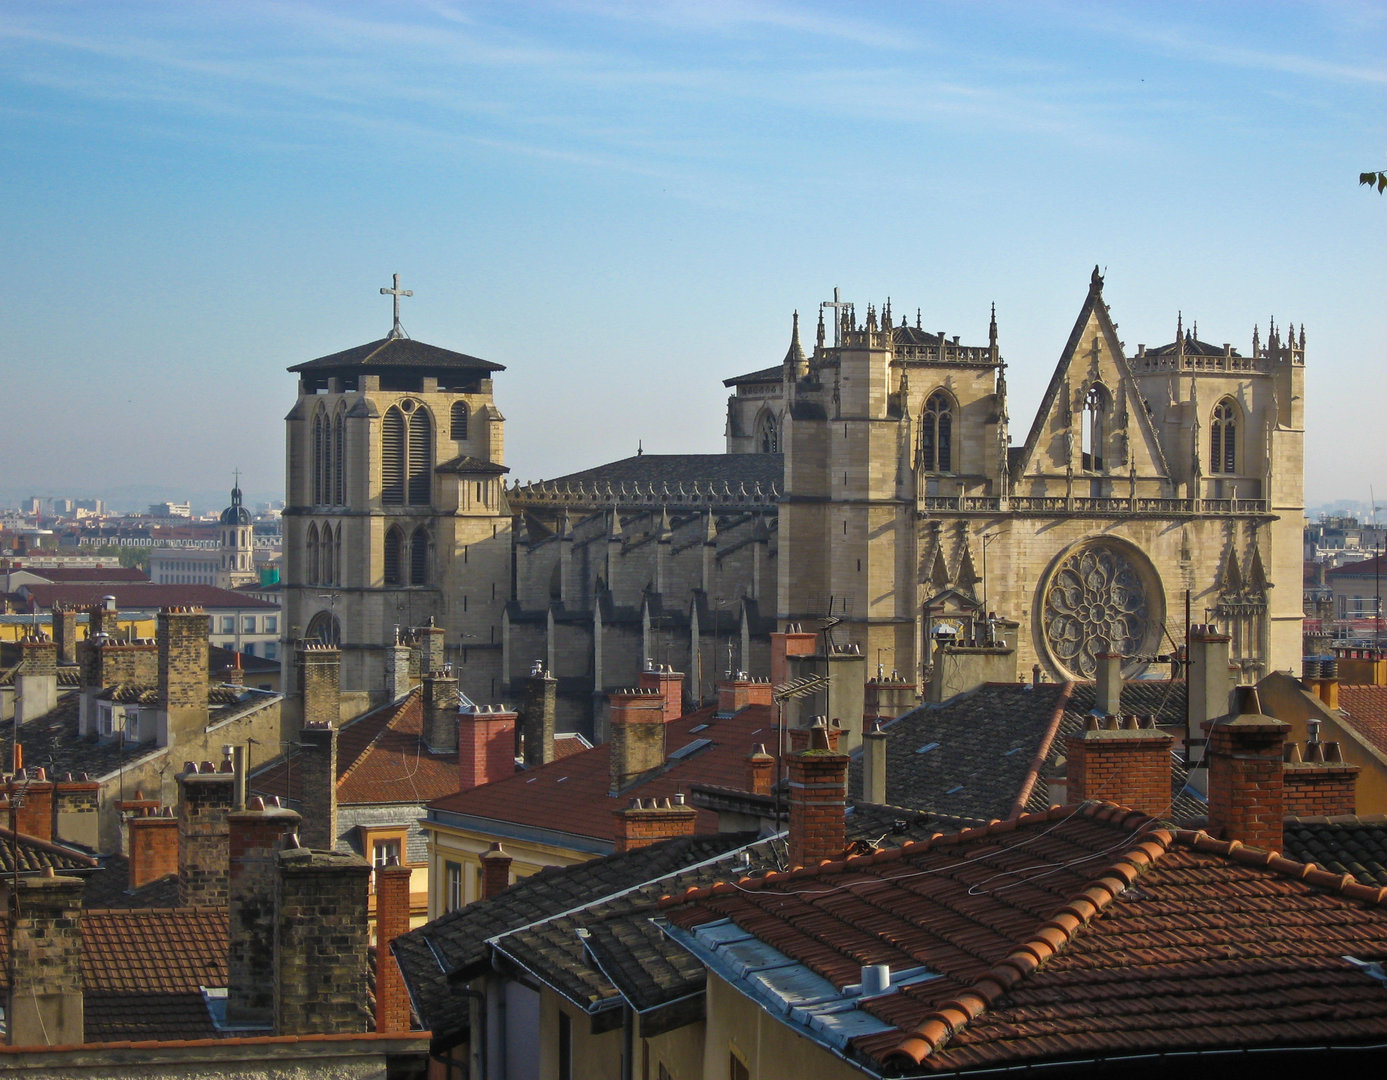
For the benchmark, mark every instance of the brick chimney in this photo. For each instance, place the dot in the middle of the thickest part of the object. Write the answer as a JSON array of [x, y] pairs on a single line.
[[802, 737], [152, 846], [1108, 692], [36, 678], [637, 720], [320, 682], [440, 705], [397, 678], [486, 745], [496, 862], [317, 763], [668, 683], [33, 791], [256, 836], [649, 821], [76, 811], [793, 641], [44, 1004], [818, 802], [1125, 760], [103, 618], [1318, 781], [760, 770], [1210, 683], [182, 635], [106, 663], [539, 716], [1246, 786], [392, 920], [737, 693], [205, 795], [320, 942], [65, 633], [874, 766]]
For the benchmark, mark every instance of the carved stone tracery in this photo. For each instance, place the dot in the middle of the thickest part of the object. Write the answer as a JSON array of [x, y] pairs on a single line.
[[1097, 600]]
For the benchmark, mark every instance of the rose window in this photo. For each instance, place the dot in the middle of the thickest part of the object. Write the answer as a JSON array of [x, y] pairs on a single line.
[[1095, 603]]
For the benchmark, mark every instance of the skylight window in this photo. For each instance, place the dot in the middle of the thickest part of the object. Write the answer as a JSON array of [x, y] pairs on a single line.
[[927, 748]]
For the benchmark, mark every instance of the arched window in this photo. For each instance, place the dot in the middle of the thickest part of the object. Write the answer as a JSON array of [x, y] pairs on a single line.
[[1223, 432], [459, 427], [936, 434], [767, 433], [1095, 427], [419, 557], [420, 458], [324, 627], [339, 485], [392, 451], [311, 544], [321, 451], [328, 559], [394, 556]]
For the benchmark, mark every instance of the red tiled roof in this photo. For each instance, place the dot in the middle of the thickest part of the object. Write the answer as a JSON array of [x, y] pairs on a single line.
[[142, 971], [1076, 934], [140, 595], [572, 794], [72, 575], [1365, 710]]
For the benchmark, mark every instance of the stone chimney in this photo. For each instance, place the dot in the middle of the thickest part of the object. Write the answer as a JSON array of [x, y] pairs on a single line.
[[649, 821], [392, 920], [1108, 692], [205, 794], [874, 766], [1210, 684], [818, 802], [440, 705], [539, 717], [320, 942], [637, 720], [106, 663], [182, 634], [317, 762], [1125, 760], [792, 642], [1246, 785], [486, 745], [736, 693], [668, 683], [256, 836], [76, 811], [1318, 781], [65, 633], [103, 618], [152, 846], [36, 678], [429, 641], [496, 863], [44, 1004], [320, 682], [1329, 682], [963, 666], [32, 791], [760, 770], [397, 679]]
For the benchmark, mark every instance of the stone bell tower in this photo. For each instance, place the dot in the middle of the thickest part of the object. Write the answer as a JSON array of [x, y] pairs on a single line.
[[396, 511]]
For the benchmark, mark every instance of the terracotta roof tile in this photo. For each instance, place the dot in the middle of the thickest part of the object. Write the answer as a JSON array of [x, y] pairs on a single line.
[[1364, 708]]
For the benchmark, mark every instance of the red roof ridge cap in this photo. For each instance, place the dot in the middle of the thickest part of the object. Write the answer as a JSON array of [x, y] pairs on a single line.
[[1042, 753]]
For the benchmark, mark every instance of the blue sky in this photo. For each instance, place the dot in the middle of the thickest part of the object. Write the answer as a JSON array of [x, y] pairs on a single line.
[[624, 202]]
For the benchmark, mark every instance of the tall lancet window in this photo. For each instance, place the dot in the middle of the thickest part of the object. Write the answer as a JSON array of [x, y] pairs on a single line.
[[339, 454], [394, 556], [1095, 427], [322, 453], [1223, 431], [767, 434], [936, 434]]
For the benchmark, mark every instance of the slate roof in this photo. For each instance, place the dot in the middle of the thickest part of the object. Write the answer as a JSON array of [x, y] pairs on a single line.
[[395, 354], [109, 887], [571, 797], [1068, 936], [142, 972], [1364, 708], [766, 469], [765, 375], [470, 465], [1192, 346], [984, 754], [141, 594], [1342, 844], [73, 575]]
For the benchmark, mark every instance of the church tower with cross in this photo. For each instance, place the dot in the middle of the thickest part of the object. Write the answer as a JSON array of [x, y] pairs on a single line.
[[396, 514]]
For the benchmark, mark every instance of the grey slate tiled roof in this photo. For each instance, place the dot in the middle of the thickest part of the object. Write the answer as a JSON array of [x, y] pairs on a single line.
[[397, 353], [1343, 844], [35, 856], [765, 469]]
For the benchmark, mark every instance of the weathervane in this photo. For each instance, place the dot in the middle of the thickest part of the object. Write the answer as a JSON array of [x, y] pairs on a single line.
[[396, 331]]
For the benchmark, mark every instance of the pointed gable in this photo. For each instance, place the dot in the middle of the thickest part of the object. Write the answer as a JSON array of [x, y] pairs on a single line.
[[1093, 354]]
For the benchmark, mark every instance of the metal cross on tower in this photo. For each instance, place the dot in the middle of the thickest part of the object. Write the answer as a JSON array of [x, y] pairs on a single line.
[[396, 292], [838, 305]]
